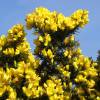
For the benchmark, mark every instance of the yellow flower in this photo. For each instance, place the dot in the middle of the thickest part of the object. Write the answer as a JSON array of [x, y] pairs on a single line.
[[2, 90], [17, 52], [31, 58], [67, 67], [49, 91], [2, 41], [9, 51], [40, 38], [87, 62], [70, 85], [80, 78], [27, 91], [47, 39], [92, 72], [66, 74], [20, 33], [75, 65], [50, 54], [54, 27], [21, 67], [72, 38], [12, 95], [66, 53], [78, 51], [66, 40], [44, 52], [91, 83]]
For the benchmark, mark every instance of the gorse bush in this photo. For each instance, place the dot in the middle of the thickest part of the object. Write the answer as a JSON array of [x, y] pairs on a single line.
[[57, 70]]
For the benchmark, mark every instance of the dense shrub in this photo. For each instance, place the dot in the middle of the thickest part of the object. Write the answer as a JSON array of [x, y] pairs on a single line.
[[57, 70]]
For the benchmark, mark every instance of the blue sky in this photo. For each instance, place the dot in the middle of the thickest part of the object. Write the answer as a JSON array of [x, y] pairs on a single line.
[[14, 12]]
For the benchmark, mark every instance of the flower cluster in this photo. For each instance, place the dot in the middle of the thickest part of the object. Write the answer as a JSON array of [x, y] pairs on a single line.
[[63, 66], [17, 66], [53, 88], [46, 39], [45, 20], [12, 78], [16, 33], [15, 42]]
